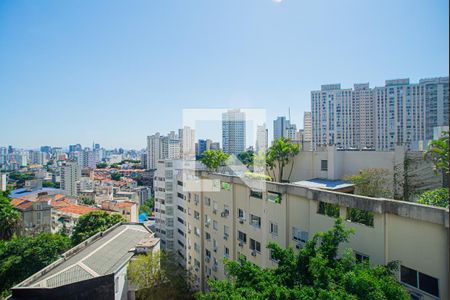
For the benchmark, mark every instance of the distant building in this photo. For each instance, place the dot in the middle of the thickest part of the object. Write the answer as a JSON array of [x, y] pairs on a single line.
[[95, 269], [262, 138], [87, 159], [3, 182], [70, 175], [233, 131], [399, 113], [307, 127], [280, 126], [128, 209]]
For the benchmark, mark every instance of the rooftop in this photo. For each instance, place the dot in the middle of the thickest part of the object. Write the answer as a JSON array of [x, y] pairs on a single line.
[[102, 254], [327, 184], [77, 209]]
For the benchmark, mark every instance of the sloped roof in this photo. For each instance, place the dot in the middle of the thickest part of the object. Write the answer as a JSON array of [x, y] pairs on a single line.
[[101, 256], [77, 209]]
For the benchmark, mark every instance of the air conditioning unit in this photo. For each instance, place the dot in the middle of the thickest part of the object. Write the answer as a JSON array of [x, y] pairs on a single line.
[[241, 243], [225, 236], [215, 249], [223, 215], [253, 252], [207, 224], [241, 220]]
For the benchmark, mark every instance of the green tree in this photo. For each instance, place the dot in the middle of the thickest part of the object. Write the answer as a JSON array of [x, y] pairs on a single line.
[[372, 183], [92, 223], [157, 275], [9, 218], [213, 159], [438, 197], [315, 272], [23, 256], [278, 157], [147, 206], [438, 152], [247, 157], [116, 176], [50, 184], [102, 165]]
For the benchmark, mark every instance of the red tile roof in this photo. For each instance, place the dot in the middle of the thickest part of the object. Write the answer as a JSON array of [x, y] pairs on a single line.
[[21, 203], [77, 209]]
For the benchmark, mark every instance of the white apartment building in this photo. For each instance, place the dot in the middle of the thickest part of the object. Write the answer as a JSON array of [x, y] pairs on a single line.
[[382, 117], [87, 159], [233, 131], [239, 221], [307, 129], [170, 208], [3, 182], [331, 109], [154, 151], [262, 138], [70, 175]]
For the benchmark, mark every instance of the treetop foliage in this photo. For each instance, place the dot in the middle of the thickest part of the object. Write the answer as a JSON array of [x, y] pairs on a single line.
[[92, 223], [315, 272]]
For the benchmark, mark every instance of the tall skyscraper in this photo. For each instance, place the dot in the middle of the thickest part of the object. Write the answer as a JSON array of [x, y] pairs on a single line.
[[233, 131], [307, 128], [262, 138], [87, 159], [154, 151], [70, 175], [280, 126], [399, 113]]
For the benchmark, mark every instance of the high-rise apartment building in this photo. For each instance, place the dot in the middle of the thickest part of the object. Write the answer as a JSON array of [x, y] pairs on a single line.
[[262, 138], [87, 159], [170, 207], [307, 127], [399, 113], [3, 182], [203, 145], [187, 138], [70, 175], [233, 131], [238, 221], [154, 150]]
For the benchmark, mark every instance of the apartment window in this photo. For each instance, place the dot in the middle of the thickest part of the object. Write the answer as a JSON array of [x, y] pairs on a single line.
[[271, 256], [361, 258], [215, 206], [197, 231], [328, 209], [196, 215], [215, 224], [255, 194], [226, 209], [242, 236], [273, 228], [324, 165], [207, 201], [196, 247], [208, 253], [255, 221], [226, 252], [241, 213], [274, 197], [419, 280], [299, 235], [180, 220], [207, 236], [255, 245], [226, 186], [357, 215]]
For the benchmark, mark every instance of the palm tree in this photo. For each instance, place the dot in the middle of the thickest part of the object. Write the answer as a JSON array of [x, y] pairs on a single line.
[[279, 155]]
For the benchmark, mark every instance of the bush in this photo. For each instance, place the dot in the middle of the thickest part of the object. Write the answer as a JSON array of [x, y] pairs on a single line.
[[437, 197]]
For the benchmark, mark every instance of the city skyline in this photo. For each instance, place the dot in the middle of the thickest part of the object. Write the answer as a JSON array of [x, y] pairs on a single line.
[[75, 79]]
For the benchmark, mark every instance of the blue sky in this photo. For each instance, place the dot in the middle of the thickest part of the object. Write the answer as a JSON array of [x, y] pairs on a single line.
[[116, 71]]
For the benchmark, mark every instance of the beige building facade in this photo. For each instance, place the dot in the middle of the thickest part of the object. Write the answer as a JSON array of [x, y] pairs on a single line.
[[239, 221]]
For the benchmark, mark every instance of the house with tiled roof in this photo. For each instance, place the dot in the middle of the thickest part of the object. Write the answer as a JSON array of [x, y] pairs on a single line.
[[128, 209]]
